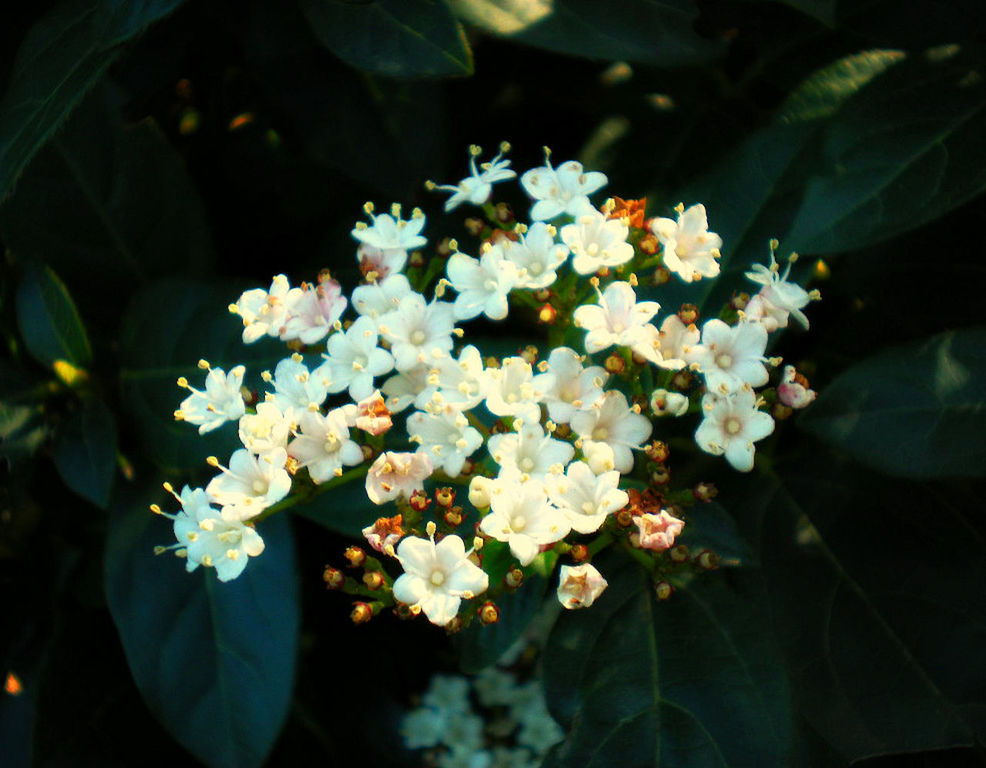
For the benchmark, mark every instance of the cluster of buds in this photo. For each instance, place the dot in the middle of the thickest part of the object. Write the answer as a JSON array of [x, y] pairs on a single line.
[[555, 446]]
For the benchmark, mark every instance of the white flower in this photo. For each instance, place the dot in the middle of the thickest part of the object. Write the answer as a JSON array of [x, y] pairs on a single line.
[[264, 312], [618, 319], [731, 425], [354, 360], [447, 438], [778, 298], [403, 388], [793, 389], [657, 532], [529, 452], [423, 727], [266, 429], [688, 248], [732, 356], [250, 484], [513, 390], [418, 331], [477, 187], [378, 298], [437, 576], [220, 402], [392, 234], [323, 444], [596, 242], [664, 403], [372, 415], [458, 385], [482, 285], [295, 388], [378, 263], [536, 255], [679, 343], [480, 488], [571, 387], [397, 474], [614, 422], [599, 456], [522, 516], [579, 585], [585, 498], [207, 539], [562, 190], [313, 310]]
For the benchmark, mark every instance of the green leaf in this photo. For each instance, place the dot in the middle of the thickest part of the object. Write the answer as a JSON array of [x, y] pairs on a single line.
[[345, 510], [914, 411], [214, 661], [168, 328], [658, 32], [709, 526], [690, 681], [398, 38], [108, 206], [877, 593], [49, 322], [63, 56], [22, 430], [820, 10], [85, 452]]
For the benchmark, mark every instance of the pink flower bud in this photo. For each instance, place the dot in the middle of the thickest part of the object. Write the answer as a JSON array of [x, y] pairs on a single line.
[[659, 531], [580, 585], [793, 390], [372, 415]]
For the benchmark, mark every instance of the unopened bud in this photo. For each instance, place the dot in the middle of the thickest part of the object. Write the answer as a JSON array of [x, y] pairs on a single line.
[[663, 590], [488, 613], [615, 364], [648, 244], [479, 491], [705, 492], [373, 579], [356, 556], [688, 314], [660, 475], [445, 496], [475, 226], [662, 275], [368, 452], [514, 578], [780, 412], [679, 553], [529, 354], [708, 560], [453, 516], [419, 500], [416, 260], [682, 380], [739, 301], [333, 578], [547, 314], [468, 467], [454, 626], [404, 612], [542, 294], [562, 431], [624, 517], [504, 213], [657, 451], [579, 553], [361, 614]]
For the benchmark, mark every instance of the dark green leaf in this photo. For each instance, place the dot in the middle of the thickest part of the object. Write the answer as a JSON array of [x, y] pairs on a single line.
[[913, 411], [346, 510], [215, 662], [822, 10], [63, 56], [399, 38], [85, 452], [169, 327], [709, 526], [656, 32], [107, 206], [22, 430], [49, 322], [690, 681]]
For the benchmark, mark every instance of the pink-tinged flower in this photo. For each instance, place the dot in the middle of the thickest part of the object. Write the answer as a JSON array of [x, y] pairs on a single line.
[[384, 533], [264, 312], [778, 298], [314, 310], [689, 249], [579, 585], [437, 576], [372, 415], [793, 390], [659, 531], [379, 263], [397, 474]]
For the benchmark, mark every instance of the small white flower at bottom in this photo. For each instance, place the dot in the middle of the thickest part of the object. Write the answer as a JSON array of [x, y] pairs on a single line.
[[579, 585], [730, 427]]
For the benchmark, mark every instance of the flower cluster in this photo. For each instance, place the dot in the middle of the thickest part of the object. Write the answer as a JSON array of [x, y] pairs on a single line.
[[554, 453]]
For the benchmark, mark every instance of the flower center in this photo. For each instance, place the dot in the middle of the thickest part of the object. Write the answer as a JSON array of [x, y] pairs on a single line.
[[733, 425], [437, 578], [724, 361], [418, 337], [518, 523], [536, 268], [527, 464], [588, 507], [512, 398], [600, 433], [259, 487]]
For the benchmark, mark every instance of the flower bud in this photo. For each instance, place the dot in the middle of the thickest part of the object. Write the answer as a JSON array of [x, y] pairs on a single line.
[[688, 314], [475, 226], [504, 213], [739, 301], [368, 453], [707, 560], [682, 380], [479, 491], [705, 492], [445, 496], [403, 611], [579, 553], [514, 578], [579, 585], [333, 578], [615, 364], [416, 260], [547, 314], [794, 391], [454, 626], [356, 556], [660, 475], [624, 517], [488, 613], [662, 275], [648, 244], [679, 553], [361, 614], [664, 403], [657, 451], [453, 516], [373, 580], [419, 500], [542, 295], [663, 590], [780, 412], [529, 354]]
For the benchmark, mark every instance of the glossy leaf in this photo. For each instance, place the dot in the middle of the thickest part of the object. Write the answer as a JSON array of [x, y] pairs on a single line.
[[656, 32], [690, 681], [107, 206], [709, 526], [63, 56], [398, 38], [345, 510], [214, 661], [168, 328], [49, 322], [913, 411], [22, 430], [85, 452]]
